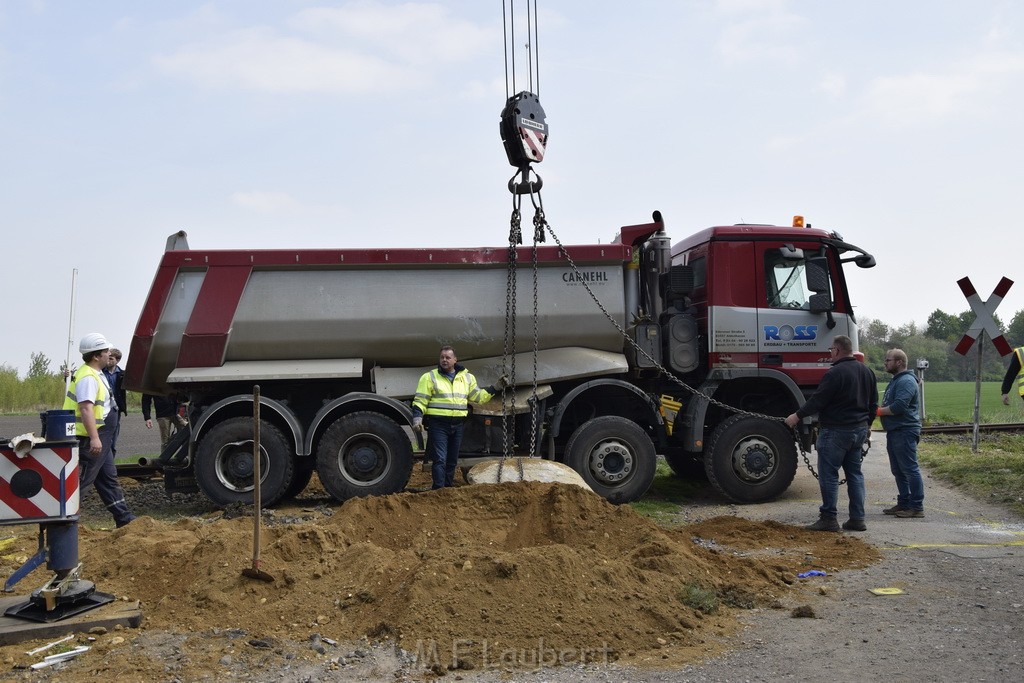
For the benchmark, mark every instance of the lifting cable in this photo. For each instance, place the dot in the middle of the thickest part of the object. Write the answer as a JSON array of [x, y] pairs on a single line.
[[524, 133]]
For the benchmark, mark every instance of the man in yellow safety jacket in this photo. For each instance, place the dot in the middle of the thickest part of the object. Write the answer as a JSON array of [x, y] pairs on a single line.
[[442, 397], [96, 421], [1014, 374]]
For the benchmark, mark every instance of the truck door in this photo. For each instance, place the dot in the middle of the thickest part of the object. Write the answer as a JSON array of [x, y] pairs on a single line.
[[793, 334]]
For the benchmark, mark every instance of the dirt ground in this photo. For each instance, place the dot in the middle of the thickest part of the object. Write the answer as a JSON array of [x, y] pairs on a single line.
[[529, 582]]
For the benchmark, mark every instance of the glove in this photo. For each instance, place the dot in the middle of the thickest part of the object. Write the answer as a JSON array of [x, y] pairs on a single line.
[[502, 382], [417, 424]]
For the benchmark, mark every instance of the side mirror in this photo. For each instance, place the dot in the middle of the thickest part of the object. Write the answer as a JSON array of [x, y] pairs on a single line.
[[865, 261], [817, 275], [820, 303]]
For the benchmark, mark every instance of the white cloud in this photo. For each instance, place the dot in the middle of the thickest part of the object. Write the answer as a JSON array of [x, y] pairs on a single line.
[[763, 30], [358, 48], [259, 59], [263, 202], [970, 87], [414, 33], [833, 85]]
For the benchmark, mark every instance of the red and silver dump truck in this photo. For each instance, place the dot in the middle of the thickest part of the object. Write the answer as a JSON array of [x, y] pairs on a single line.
[[693, 348]]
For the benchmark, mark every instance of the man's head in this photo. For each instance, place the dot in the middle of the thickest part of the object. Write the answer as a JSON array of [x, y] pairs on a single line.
[[447, 359], [94, 346], [895, 361], [115, 358], [842, 347]]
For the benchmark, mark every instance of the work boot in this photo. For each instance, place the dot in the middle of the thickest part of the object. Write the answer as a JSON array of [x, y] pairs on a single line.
[[893, 510], [855, 525], [825, 523], [908, 513]]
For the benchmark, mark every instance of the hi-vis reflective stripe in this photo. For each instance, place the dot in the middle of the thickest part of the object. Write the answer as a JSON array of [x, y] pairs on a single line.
[[42, 485]]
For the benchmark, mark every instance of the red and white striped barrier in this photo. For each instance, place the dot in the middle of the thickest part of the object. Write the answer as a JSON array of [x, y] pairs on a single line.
[[40, 486]]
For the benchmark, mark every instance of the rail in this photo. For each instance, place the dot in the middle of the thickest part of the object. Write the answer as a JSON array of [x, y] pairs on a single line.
[[1011, 427]]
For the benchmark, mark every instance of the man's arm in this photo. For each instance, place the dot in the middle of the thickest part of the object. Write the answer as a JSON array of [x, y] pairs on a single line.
[[902, 394], [1009, 377], [85, 409]]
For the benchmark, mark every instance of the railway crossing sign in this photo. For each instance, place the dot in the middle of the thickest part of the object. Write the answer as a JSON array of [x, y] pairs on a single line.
[[984, 320]]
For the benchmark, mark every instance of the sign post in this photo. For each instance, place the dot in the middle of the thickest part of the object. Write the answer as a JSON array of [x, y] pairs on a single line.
[[984, 321]]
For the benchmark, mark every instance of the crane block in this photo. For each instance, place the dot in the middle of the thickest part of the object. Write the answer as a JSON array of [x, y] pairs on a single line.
[[524, 129]]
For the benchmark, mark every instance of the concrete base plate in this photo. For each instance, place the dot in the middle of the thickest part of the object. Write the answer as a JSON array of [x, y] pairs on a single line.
[[14, 630]]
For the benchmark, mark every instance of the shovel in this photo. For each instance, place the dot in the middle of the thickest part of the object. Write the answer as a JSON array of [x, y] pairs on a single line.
[[254, 572]]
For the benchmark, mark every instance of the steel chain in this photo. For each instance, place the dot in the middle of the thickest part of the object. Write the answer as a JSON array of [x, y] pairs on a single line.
[[515, 237]]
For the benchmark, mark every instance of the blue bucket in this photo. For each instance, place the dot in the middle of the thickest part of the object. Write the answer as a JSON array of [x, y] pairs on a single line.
[[58, 425]]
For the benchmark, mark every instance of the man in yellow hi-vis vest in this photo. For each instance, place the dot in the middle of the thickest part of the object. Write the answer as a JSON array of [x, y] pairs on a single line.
[[96, 421], [1014, 375], [442, 397]]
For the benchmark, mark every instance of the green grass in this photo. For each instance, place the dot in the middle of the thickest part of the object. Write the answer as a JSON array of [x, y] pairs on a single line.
[[946, 402], [661, 502], [994, 474]]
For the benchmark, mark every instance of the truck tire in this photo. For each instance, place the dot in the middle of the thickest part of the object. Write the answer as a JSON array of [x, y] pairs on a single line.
[[752, 460], [614, 456], [364, 454], [223, 466], [304, 469]]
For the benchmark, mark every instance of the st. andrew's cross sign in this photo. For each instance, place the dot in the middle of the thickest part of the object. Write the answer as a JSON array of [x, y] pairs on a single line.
[[984, 319]]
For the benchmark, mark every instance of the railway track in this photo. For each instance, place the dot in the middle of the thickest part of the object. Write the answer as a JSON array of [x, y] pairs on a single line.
[[1009, 427]]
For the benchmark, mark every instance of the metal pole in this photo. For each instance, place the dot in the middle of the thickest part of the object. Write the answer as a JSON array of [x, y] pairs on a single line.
[[920, 391], [71, 329], [977, 392]]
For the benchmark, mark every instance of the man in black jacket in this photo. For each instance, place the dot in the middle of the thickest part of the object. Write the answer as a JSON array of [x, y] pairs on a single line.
[[166, 415], [846, 403]]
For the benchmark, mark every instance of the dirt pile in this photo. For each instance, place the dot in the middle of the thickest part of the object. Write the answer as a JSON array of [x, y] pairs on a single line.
[[471, 577]]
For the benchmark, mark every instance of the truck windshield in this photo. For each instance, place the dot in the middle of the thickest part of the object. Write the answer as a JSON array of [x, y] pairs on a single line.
[[786, 284]]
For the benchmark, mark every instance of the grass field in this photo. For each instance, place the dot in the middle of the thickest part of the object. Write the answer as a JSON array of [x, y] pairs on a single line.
[[954, 402]]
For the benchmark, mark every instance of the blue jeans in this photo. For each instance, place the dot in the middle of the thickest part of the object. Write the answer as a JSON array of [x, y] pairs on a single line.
[[443, 442], [901, 445], [841, 448], [102, 472]]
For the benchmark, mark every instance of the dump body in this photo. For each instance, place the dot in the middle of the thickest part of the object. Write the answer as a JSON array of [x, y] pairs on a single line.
[[208, 309]]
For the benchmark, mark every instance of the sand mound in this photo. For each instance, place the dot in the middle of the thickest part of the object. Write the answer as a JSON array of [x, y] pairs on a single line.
[[485, 570]]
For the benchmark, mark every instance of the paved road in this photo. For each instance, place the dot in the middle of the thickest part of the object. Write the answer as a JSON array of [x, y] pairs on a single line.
[[135, 439], [960, 616]]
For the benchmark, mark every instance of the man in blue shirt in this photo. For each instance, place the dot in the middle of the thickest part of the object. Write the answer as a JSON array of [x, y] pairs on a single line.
[[901, 420]]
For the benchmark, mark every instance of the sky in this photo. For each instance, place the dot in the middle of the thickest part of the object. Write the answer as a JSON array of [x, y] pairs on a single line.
[[294, 124]]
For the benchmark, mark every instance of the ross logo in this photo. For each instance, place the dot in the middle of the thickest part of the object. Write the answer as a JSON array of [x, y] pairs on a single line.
[[790, 333]]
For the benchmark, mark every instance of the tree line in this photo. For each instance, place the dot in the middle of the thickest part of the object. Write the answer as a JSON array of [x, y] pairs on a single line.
[[936, 343]]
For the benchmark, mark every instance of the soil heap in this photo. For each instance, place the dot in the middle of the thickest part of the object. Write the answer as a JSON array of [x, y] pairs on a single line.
[[468, 577]]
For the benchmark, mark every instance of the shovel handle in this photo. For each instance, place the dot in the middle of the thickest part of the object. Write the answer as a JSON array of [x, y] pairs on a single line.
[[256, 474]]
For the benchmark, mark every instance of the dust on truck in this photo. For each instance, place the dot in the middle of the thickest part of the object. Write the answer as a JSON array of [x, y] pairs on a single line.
[[693, 348]]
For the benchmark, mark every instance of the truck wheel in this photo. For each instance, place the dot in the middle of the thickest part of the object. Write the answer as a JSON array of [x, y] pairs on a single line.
[[223, 466], [364, 454], [304, 469], [753, 460], [614, 456]]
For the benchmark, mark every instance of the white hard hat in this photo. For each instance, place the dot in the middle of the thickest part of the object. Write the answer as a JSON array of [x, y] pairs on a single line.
[[94, 341]]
